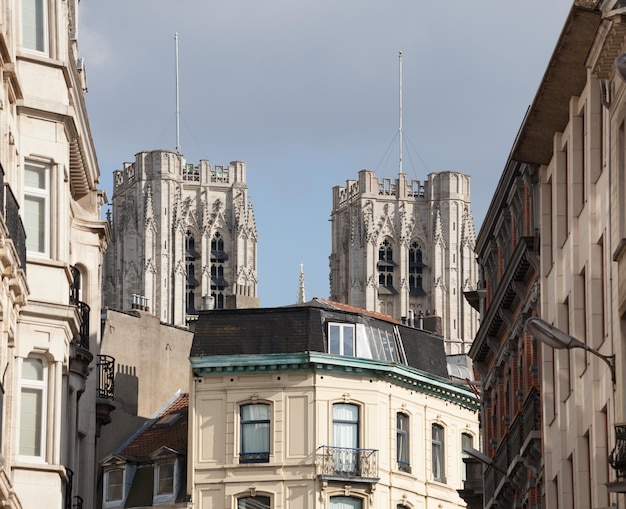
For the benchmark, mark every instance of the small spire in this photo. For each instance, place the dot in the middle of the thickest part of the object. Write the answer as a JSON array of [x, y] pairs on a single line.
[[301, 293]]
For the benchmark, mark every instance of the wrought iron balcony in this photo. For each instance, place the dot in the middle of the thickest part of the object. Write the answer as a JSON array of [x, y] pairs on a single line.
[[82, 339], [342, 463], [617, 459], [68, 488], [106, 376], [13, 220]]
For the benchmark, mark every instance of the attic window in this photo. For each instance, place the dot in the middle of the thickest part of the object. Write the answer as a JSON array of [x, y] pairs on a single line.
[[365, 341], [167, 420]]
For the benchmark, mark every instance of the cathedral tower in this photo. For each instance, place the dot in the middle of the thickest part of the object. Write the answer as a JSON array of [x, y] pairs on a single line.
[[406, 249], [184, 238]]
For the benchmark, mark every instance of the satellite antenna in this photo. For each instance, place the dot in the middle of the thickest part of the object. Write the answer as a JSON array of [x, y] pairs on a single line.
[[400, 108], [177, 94]]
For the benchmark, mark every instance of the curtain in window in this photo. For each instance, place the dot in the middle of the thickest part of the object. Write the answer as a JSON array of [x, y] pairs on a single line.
[[255, 428], [345, 503], [438, 444], [403, 442], [345, 437]]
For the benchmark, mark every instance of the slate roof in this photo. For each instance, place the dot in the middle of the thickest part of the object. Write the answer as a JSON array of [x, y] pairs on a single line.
[[302, 328]]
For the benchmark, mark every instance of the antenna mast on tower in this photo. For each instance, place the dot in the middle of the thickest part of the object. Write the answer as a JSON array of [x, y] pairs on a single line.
[[400, 107], [177, 95]]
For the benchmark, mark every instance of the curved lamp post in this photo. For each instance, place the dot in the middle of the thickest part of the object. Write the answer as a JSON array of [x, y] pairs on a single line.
[[551, 336]]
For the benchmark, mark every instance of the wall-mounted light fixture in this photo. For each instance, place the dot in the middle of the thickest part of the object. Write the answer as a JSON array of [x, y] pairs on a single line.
[[551, 336]]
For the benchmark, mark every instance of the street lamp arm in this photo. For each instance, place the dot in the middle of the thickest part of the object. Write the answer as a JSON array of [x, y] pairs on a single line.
[[556, 338]]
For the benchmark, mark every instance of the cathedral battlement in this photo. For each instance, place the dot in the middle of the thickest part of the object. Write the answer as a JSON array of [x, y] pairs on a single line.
[[160, 164], [369, 185]]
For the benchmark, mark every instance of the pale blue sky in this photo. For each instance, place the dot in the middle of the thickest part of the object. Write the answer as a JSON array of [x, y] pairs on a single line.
[[306, 93]]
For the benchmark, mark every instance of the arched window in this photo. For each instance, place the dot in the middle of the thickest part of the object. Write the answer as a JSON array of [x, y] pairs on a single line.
[[345, 438], [258, 502], [345, 503], [192, 257], [386, 266], [218, 282], [438, 448], [416, 267], [255, 433], [402, 442]]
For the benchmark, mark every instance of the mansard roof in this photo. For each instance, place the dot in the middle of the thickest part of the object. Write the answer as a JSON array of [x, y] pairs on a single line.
[[302, 328]]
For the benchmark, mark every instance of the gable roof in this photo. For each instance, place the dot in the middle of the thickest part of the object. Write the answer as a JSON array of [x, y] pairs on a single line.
[[156, 434]]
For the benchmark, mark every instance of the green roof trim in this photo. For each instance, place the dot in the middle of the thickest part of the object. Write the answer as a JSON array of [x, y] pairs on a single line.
[[398, 374]]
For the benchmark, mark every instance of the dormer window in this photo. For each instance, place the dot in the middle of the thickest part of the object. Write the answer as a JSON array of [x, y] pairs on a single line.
[[342, 339], [114, 485], [165, 478]]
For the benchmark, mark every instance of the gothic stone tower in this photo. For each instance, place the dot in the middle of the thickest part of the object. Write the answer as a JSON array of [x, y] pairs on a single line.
[[406, 249], [184, 238]]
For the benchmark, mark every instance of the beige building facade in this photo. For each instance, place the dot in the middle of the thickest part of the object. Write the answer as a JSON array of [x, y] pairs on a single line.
[[51, 248], [183, 238], [406, 249], [289, 424]]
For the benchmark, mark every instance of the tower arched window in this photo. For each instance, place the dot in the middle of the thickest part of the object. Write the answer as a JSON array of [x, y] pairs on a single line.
[[192, 257], [386, 267], [416, 269], [218, 282]]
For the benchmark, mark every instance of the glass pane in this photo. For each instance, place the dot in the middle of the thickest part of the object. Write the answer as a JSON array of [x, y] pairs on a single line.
[[35, 223], [255, 412], [345, 503], [348, 340], [345, 425], [166, 478], [32, 368], [115, 480], [30, 422], [334, 333], [35, 177], [33, 24], [258, 502]]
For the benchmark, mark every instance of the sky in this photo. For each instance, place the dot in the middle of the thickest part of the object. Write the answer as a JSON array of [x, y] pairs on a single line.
[[306, 92]]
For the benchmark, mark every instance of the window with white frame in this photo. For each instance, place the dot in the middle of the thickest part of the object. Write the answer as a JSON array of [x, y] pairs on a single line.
[[114, 485], [37, 208], [165, 478], [402, 443], [255, 433], [33, 404], [342, 339], [438, 444], [35, 25]]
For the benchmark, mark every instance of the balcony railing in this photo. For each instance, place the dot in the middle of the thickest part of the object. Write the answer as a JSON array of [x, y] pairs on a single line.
[[617, 459], [347, 463], [106, 376], [82, 339], [13, 220], [68, 488], [78, 502]]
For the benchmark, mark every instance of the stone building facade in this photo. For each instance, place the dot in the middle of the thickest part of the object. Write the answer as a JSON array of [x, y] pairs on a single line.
[[51, 247], [406, 249], [183, 238]]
